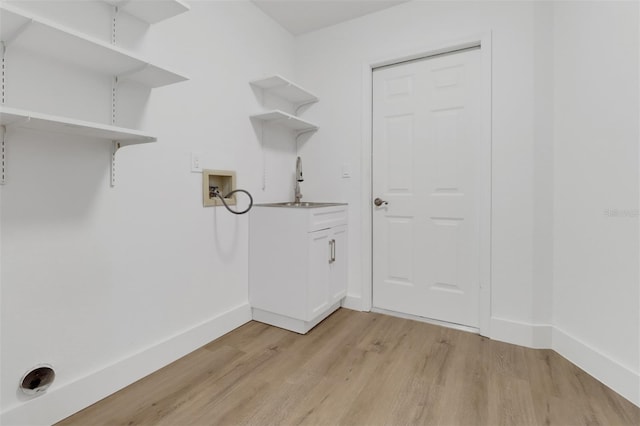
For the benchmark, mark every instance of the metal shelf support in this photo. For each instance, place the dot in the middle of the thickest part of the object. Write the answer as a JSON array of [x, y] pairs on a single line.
[[16, 33], [304, 132], [3, 176], [3, 48], [3, 147], [114, 97], [116, 147], [116, 144]]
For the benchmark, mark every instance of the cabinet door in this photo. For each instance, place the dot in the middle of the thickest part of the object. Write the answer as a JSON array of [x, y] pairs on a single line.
[[338, 267], [318, 281]]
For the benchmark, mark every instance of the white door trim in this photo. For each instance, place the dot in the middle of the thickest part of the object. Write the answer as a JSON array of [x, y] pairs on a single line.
[[484, 42]]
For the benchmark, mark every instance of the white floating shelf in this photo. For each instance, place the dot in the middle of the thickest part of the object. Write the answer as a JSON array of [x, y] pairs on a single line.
[[284, 119], [51, 123], [151, 12], [285, 89], [48, 38]]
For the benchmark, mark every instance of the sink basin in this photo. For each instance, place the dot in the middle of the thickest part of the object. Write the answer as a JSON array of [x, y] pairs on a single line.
[[303, 205]]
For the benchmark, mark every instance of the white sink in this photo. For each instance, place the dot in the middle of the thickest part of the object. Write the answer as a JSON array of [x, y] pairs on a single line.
[[307, 205]]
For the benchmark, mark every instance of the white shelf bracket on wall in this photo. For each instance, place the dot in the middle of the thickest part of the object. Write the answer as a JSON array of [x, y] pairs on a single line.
[[3, 176], [45, 36], [304, 104], [3, 146], [3, 48], [115, 148], [114, 97], [134, 70], [304, 132], [8, 38], [114, 24], [116, 144]]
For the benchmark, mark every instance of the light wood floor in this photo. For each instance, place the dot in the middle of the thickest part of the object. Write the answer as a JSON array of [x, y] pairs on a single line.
[[360, 368]]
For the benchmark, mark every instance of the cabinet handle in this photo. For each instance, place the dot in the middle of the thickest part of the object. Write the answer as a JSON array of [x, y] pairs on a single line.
[[330, 251], [333, 251]]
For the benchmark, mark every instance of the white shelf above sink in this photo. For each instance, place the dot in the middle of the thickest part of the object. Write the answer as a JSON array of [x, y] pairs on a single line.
[[44, 122], [284, 119], [151, 12], [285, 89], [48, 38]]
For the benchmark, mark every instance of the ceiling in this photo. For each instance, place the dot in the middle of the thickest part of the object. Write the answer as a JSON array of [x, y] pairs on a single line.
[[303, 16]]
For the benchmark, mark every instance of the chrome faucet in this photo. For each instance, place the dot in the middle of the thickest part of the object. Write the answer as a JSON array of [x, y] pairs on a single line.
[[298, 194]]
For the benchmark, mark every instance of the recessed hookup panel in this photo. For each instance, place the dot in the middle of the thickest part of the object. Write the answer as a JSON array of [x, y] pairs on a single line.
[[224, 180]]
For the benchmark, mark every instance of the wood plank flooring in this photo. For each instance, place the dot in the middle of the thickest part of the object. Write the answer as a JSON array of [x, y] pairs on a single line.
[[358, 368]]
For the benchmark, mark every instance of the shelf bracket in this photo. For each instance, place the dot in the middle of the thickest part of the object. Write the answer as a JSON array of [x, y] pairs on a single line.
[[3, 146], [304, 132], [115, 148], [303, 104], [3, 155], [134, 70], [18, 122], [114, 99], [16, 33], [114, 24], [3, 46]]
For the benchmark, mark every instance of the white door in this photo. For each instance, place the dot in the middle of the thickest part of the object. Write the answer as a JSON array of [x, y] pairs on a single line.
[[426, 152]]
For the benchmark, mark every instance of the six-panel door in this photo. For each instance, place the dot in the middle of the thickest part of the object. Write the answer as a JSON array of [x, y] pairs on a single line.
[[426, 144]]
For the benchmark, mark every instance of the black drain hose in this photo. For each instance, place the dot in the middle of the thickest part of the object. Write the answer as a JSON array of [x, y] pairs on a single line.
[[215, 192]]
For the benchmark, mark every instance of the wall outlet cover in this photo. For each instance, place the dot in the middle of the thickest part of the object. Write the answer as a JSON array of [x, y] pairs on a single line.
[[346, 171], [196, 166]]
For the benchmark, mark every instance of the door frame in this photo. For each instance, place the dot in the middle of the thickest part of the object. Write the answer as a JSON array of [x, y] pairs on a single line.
[[483, 41]]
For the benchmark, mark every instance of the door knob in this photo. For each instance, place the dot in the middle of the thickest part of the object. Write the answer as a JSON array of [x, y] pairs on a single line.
[[378, 202]]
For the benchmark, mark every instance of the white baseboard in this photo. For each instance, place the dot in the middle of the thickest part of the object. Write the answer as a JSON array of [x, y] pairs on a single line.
[[59, 403], [604, 368], [352, 302], [291, 324], [621, 379], [426, 320], [520, 333]]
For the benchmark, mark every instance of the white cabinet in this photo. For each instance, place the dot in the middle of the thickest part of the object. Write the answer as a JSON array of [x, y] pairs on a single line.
[[338, 269], [327, 269], [297, 264]]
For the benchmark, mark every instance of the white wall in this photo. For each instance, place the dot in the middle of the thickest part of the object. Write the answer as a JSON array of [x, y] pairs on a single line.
[[108, 283], [331, 62], [543, 192], [596, 289], [565, 149]]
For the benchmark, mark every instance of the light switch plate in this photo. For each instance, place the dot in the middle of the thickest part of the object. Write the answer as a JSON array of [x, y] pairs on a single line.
[[196, 167], [346, 171]]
